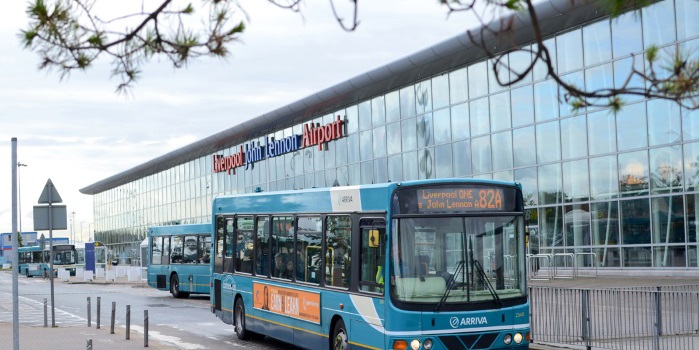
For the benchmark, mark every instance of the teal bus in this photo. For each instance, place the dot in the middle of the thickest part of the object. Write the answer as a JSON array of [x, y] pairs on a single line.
[[431, 264], [34, 261], [30, 260], [179, 259]]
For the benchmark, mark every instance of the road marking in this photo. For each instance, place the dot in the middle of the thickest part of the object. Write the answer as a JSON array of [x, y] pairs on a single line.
[[32, 313]]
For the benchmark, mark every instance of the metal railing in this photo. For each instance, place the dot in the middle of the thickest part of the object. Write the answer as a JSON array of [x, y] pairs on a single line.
[[657, 319], [544, 267]]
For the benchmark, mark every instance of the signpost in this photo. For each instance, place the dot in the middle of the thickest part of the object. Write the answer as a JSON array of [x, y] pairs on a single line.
[[51, 217]]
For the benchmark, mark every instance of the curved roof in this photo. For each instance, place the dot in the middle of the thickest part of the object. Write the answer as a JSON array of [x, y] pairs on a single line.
[[554, 16]]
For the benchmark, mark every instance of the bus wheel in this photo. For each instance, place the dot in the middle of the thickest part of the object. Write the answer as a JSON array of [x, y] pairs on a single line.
[[175, 288], [340, 340], [239, 316], [26, 273]]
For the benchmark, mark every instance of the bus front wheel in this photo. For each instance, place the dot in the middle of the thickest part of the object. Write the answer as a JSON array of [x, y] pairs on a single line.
[[239, 316], [175, 288], [340, 341]]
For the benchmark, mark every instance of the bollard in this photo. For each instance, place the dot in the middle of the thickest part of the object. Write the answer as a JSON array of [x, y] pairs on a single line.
[[89, 344], [128, 322], [145, 328], [46, 316], [99, 299], [89, 313], [113, 315]]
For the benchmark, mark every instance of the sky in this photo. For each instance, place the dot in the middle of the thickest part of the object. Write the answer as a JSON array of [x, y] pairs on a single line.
[[77, 131]]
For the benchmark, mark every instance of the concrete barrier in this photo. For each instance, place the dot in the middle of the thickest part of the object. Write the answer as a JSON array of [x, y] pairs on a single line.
[[79, 271], [134, 274], [120, 271], [99, 272], [87, 276], [111, 275]]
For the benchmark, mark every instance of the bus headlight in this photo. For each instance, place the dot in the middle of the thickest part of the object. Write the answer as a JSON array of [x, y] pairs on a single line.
[[518, 338], [415, 344], [427, 344], [508, 339]]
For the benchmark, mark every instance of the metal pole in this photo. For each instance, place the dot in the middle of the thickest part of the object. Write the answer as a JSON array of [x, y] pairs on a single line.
[[128, 322], [89, 344], [89, 313], [145, 328], [111, 331], [46, 318], [15, 255], [53, 308], [99, 302]]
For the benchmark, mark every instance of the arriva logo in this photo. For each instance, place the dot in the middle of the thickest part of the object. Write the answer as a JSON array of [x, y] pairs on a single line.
[[455, 322]]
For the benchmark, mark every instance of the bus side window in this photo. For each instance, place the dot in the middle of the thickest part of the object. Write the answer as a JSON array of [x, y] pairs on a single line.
[[373, 237]]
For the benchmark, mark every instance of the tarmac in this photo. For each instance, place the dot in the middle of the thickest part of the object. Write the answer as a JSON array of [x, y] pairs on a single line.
[[77, 337]]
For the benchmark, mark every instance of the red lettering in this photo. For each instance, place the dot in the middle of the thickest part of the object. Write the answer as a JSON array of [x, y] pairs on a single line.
[[307, 136]]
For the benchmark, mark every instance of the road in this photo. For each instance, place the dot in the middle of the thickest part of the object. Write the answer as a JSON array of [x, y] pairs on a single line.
[[183, 323]]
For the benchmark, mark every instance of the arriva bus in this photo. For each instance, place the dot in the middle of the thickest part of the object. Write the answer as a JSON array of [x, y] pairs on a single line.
[[64, 257], [433, 264], [30, 260], [180, 259]]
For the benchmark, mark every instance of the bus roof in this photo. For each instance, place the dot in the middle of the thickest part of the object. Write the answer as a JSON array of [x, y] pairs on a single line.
[[328, 199], [179, 229]]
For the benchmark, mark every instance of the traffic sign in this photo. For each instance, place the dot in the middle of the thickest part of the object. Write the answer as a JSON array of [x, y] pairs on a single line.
[[49, 194]]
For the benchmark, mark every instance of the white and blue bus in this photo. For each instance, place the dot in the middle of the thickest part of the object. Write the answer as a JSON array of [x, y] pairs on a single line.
[[179, 259], [30, 261], [432, 264]]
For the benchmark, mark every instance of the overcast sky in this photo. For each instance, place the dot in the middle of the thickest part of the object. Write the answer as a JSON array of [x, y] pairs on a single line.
[[78, 131]]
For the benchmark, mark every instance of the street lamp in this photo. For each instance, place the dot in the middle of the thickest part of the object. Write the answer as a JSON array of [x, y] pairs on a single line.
[[72, 227], [19, 196], [81, 230], [89, 229]]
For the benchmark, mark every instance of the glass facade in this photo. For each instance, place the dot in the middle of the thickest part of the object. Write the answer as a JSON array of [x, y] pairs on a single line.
[[622, 185]]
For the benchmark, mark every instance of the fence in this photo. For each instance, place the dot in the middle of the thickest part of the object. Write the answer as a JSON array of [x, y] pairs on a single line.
[[657, 318], [561, 265]]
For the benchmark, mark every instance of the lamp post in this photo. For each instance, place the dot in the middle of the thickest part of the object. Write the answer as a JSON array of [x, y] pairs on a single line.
[[19, 195], [72, 227], [89, 230], [81, 230]]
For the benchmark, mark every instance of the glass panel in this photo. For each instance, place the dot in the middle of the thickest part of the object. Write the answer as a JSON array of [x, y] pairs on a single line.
[[458, 85], [519, 62], [395, 168], [308, 251], [353, 174], [410, 166], [364, 115], [352, 147], [502, 150], [423, 96], [575, 181], [372, 243], [631, 127], [663, 122], [691, 166], [522, 106], [393, 138], [524, 142], [425, 163], [378, 111], [500, 111], [548, 142], [666, 169], [379, 142], [506, 175], [244, 244], [540, 69], [569, 51], [635, 227], [408, 130], [687, 24], [603, 177], [692, 203], [551, 227], [608, 256], [440, 91], [424, 131], [443, 162], [622, 70], [352, 120], [460, 122], [380, 170], [597, 43], [668, 220], [605, 224], [367, 170], [599, 78], [262, 254], [442, 126], [637, 257], [577, 225], [576, 79], [690, 124], [462, 159], [626, 34], [633, 173], [550, 186], [503, 76], [340, 154], [480, 154], [480, 119], [283, 246], [365, 145], [573, 142], [478, 79], [670, 256], [156, 253], [527, 177], [190, 250], [407, 102], [546, 100], [392, 107], [601, 131], [656, 23], [337, 255]]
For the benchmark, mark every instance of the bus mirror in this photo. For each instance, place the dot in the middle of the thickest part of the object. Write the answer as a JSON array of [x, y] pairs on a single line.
[[374, 239]]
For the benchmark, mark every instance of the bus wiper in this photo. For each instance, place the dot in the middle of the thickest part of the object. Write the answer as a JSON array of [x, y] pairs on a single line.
[[482, 275], [450, 284]]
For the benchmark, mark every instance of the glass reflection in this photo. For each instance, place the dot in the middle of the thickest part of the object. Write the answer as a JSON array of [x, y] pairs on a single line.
[[424, 130], [546, 100], [460, 122], [601, 131], [478, 79], [687, 24], [352, 146], [626, 34], [604, 182], [503, 74], [635, 216], [367, 172], [670, 256], [500, 110], [633, 173], [573, 141], [462, 158], [522, 141], [691, 166], [656, 20], [522, 106], [663, 122], [378, 111], [551, 229], [480, 117], [569, 50], [380, 170], [577, 225], [352, 119], [410, 166], [480, 155], [458, 85], [631, 127], [550, 186], [392, 101], [527, 177], [519, 62], [692, 210], [690, 124], [666, 169], [393, 136], [364, 110], [425, 164], [623, 75], [502, 150], [407, 102], [442, 126], [365, 145], [423, 96], [395, 168], [668, 221], [540, 69], [379, 144], [605, 224], [440, 91], [575, 181], [548, 142], [408, 130], [597, 43]]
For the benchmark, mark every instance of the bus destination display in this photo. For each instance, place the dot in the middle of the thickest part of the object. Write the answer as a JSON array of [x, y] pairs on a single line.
[[441, 199]]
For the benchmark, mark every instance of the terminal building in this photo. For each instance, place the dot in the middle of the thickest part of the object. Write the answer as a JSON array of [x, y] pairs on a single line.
[[624, 185]]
